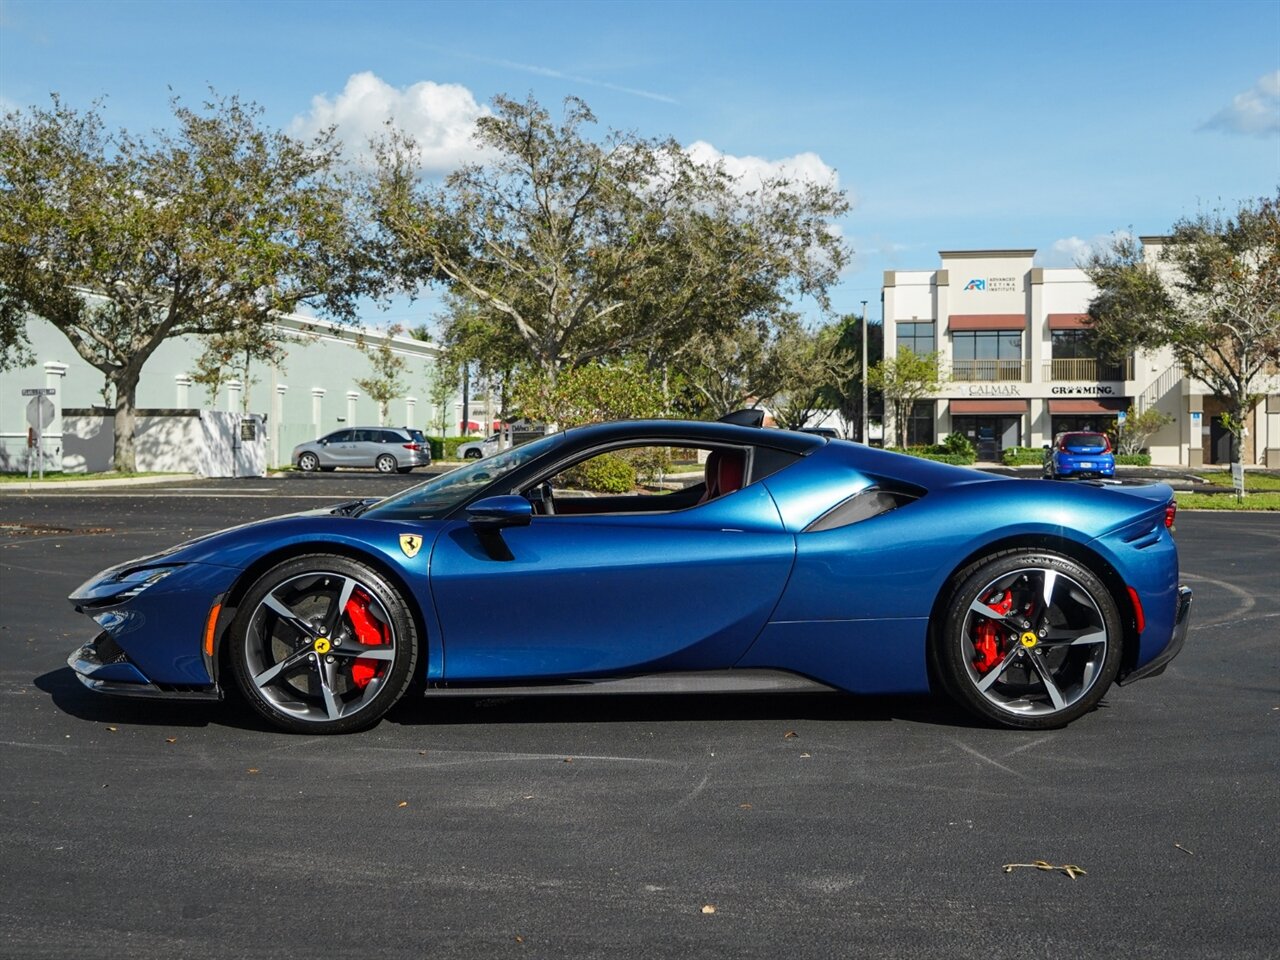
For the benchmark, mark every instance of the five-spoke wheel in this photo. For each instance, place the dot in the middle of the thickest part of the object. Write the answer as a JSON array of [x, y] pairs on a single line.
[[385, 463], [323, 644], [1031, 639], [308, 462]]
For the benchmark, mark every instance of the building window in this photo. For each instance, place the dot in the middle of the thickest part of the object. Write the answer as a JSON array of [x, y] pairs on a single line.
[[916, 337], [987, 355], [1075, 357], [920, 424]]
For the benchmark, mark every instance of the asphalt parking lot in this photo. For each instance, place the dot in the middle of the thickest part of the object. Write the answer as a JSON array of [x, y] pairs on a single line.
[[815, 825]]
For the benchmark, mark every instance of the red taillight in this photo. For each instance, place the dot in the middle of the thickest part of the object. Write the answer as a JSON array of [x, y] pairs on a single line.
[[1139, 617], [412, 446], [1062, 445], [1108, 439], [1170, 512]]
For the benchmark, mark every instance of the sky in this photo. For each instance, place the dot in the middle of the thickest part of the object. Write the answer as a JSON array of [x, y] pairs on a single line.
[[1045, 125]]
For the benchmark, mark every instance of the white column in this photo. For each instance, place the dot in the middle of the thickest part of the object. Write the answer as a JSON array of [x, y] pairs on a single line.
[[233, 395], [181, 391], [352, 397], [277, 414], [317, 395], [55, 374], [410, 407]]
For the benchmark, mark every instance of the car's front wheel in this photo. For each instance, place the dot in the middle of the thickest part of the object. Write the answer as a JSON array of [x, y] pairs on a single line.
[[472, 454], [1030, 639], [308, 462], [322, 644]]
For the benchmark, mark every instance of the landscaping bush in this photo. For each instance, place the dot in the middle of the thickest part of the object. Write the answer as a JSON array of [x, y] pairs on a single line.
[[446, 448], [1024, 456], [936, 452], [959, 444], [1133, 459], [604, 474]]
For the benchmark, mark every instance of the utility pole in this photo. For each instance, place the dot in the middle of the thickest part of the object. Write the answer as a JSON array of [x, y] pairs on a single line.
[[863, 427]]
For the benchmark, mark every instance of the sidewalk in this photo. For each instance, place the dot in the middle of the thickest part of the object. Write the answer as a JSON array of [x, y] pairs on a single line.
[[39, 486]]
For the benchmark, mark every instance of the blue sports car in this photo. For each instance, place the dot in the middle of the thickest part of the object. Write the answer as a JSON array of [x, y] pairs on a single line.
[[731, 558]]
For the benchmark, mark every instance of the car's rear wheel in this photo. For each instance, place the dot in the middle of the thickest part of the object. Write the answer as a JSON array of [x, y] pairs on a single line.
[[1030, 639], [323, 644], [385, 463], [308, 462]]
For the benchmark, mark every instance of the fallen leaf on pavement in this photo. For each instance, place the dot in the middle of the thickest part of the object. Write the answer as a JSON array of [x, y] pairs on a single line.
[[1184, 850], [170, 739], [790, 735], [708, 908], [403, 803], [744, 806], [1070, 869]]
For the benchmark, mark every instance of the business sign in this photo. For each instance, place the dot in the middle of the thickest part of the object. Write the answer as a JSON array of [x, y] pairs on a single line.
[[993, 284], [997, 390], [1083, 390]]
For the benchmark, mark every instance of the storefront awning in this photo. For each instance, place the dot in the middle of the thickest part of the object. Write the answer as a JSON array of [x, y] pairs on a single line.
[[986, 321], [1069, 321], [1088, 406], [989, 406]]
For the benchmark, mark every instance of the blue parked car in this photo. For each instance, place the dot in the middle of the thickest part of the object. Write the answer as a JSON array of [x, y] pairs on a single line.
[[1079, 454], [791, 561]]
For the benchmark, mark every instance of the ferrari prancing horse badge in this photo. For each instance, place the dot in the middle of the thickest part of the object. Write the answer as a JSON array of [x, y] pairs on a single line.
[[410, 543]]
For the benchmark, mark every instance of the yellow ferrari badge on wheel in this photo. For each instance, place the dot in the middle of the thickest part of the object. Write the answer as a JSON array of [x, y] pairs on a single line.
[[410, 543]]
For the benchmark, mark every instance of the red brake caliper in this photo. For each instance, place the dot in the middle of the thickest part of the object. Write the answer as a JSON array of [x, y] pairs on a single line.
[[371, 633], [986, 641]]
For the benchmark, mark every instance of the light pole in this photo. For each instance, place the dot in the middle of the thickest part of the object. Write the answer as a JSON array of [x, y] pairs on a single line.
[[863, 426]]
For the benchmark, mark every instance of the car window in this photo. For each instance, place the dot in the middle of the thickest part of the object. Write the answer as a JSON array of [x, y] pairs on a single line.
[[440, 495], [391, 436], [339, 436]]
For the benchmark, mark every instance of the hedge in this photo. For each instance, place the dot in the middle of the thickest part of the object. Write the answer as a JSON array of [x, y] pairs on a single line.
[[936, 453], [1022, 456], [446, 448], [1133, 459], [604, 474]]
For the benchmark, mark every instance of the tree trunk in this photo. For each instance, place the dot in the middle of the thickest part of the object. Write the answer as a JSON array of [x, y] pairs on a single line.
[[124, 458]]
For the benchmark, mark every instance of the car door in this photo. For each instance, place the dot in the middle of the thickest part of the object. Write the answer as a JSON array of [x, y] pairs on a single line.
[[604, 595], [332, 449]]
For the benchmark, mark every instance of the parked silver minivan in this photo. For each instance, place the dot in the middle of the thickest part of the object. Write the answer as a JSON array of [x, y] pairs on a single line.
[[388, 449]]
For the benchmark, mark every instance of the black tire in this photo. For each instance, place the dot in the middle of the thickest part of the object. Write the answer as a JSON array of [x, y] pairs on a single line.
[[313, 671], [308, 462], [471, 455], [1046, 661], [386, 463]]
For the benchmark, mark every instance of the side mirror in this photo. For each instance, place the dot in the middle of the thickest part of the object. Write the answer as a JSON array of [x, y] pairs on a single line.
[[494, 513]]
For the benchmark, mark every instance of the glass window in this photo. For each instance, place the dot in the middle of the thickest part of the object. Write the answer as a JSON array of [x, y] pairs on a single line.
[[920, 425], [339, 436], [917, 337]]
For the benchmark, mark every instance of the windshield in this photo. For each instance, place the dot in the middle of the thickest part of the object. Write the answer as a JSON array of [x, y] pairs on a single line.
[[440, 495]]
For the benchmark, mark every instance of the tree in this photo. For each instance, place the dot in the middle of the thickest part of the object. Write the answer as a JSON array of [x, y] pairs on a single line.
[[123, 242], [1212, 295], [725, 370], [1138, 429], [444, 383], [589, 249], [809, 365], [845, 395], [386, 381], [590, 393], [903, 380]]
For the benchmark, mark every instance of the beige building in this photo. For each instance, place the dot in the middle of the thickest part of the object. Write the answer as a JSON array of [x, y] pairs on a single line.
[[1015, 342]]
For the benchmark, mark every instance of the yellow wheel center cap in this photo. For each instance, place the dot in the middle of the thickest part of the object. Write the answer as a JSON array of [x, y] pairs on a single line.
[[1028, 640], [322, 645]]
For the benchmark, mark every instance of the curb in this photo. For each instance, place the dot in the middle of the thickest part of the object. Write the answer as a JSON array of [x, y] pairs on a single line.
[[41, 486]]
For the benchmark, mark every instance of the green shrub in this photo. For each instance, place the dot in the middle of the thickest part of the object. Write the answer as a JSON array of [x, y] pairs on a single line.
[[958, 444], [1022, 456], [936, 452], [446, 448], [1133, 459], [605, 474]]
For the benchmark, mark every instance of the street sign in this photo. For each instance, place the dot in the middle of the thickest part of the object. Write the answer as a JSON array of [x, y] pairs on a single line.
[[39, 392], [40, 412], [1121, 417], [1237, 479]]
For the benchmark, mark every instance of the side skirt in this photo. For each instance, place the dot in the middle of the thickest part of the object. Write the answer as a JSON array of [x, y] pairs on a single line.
[[718, 681]]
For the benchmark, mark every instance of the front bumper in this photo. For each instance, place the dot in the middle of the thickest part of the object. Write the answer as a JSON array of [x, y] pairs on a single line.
[[1181, 624], [102, 666]]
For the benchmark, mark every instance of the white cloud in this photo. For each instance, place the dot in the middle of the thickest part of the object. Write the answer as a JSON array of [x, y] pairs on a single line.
[[1073, 251], [751, 172], [439, 116], [1256, 112]]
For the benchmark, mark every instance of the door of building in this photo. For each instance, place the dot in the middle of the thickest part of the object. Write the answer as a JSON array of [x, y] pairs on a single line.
[[989, 435]]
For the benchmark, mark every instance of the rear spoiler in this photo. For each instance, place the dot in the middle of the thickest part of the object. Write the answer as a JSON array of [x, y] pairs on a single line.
[[744, 418]]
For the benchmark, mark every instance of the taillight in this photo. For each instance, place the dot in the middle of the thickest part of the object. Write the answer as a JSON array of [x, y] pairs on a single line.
[[1108, 439], [412, 446], [1170, 511], [1062, 446]]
